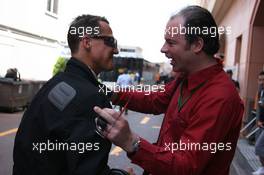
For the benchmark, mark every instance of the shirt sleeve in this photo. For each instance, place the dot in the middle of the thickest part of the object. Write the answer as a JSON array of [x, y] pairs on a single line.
[[206, 126], [148, 102], [87, 152]]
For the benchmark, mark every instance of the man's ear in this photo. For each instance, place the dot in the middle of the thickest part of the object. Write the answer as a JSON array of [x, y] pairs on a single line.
[[86, 43], [197, 46]]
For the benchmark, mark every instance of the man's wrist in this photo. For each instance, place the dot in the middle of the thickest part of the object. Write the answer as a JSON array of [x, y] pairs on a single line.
[[133, 144]]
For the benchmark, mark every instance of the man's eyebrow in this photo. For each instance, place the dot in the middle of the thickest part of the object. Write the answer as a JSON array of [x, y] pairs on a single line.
[[170, 40]]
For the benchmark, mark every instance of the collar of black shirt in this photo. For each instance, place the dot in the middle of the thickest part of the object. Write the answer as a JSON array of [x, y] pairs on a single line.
[[77, 67]]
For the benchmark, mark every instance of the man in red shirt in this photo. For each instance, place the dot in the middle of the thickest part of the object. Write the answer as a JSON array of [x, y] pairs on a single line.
[[203, 110]]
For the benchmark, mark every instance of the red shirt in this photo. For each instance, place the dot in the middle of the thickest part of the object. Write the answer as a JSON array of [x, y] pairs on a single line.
[[210, 118]]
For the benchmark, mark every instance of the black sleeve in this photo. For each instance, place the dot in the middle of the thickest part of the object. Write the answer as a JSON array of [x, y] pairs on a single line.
[[76, 126]]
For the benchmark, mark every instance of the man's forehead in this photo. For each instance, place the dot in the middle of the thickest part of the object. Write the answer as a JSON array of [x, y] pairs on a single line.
[[173, 28], [176, 21]]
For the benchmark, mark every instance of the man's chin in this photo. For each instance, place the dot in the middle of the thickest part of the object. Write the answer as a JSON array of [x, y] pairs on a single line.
[[176, 69], [109, 68]]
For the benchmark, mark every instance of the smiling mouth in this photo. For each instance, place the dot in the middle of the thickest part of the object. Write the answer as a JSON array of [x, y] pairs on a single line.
[[172, 62], [167, 56]]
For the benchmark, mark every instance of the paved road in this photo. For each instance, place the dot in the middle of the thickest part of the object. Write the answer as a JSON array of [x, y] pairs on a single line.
[[8, 128], [146, 126]]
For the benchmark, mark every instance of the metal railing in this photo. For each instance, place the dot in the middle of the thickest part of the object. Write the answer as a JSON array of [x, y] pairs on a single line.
[[253, 129]]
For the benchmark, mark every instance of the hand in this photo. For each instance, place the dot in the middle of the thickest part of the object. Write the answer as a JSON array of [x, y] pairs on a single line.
[[260, 124], [130, 171], [117, 130]]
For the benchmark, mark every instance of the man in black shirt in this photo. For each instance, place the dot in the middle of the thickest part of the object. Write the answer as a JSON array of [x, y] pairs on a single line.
[[57, 133]]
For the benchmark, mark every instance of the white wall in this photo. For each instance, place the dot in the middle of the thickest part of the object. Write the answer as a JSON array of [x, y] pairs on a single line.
[[30, 15], [34, 59], [34, 55]]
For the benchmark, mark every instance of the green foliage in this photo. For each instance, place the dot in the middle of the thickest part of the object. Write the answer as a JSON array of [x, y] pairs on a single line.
[[60, 65]]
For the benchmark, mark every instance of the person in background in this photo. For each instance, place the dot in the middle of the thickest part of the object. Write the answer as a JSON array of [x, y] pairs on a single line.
[[137, 78], [157, 78], [236, 83], [132, 76], [13, 73], [124, 81], [259, 147]]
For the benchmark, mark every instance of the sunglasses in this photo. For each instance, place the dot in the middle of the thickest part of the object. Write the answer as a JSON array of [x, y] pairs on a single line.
[[108, 40]]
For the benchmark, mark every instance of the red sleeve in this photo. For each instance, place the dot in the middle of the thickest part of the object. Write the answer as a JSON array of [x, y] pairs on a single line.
[[148, 102], [206, 126]]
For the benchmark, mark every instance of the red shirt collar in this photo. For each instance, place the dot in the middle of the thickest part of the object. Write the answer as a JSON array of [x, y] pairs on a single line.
[[195, 79]]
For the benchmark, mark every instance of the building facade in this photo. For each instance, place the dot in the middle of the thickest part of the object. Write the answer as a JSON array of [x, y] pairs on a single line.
[[243, 47]]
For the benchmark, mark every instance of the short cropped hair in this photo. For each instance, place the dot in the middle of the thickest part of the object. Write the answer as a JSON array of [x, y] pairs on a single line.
[[84, 22]]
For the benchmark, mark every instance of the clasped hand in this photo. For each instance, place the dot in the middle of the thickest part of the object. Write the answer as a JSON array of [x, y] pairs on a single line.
[[117, 129]]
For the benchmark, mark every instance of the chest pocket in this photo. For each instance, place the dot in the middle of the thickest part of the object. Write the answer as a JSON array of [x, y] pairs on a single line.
[[178, 126]]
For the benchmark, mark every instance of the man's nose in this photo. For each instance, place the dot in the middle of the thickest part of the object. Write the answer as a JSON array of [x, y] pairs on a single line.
[[163, 49], [116, 50]]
